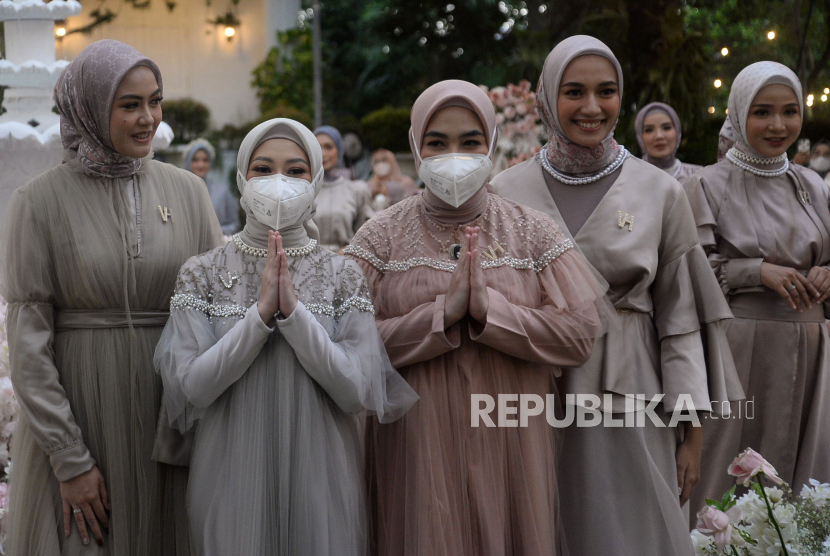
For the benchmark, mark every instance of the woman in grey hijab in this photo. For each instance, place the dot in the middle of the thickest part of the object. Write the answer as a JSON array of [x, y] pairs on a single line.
[[198, 158], [90, 252]]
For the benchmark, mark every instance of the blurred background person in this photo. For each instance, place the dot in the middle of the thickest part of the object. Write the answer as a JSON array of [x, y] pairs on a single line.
[[198, 158], [659, 134], [388, 181], [343, 205]]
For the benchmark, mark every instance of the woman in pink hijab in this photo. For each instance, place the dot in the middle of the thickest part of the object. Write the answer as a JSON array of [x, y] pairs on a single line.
[[476, 297], [624, 486]]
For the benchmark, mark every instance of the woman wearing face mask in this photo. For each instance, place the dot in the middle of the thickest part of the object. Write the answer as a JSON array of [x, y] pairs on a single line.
[[388, 180], [198, 157], [765, 225], [90, 250], [658, 134], [277, 463], [496, 301], [624, 487], [343, 205], [820, 159]]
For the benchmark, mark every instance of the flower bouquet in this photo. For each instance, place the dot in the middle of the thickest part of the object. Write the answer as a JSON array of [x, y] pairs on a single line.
[[521, 132], [767, 520]]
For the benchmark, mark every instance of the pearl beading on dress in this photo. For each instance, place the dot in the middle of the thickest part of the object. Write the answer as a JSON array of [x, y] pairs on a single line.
[[262, 252], [189, 301], [542, 158], [740, 160], [449, 266]]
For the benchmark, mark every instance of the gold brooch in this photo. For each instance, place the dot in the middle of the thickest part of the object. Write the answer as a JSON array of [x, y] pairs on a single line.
[[165, 214], [492, 253], [629, 219]]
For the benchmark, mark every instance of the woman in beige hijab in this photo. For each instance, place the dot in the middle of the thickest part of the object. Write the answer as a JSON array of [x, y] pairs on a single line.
[[90, 252], [624, 487], [765, 226]]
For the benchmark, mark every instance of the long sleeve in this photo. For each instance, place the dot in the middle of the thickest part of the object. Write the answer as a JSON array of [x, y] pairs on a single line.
[[561, 331], [197, 367], [30, 321], [351, 365], [418, 335]]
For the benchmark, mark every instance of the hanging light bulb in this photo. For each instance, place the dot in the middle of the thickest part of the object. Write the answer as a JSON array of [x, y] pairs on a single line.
[[718, 83], [230, 32], [60, 32], [724, 51], [711, 109], [771, 35]]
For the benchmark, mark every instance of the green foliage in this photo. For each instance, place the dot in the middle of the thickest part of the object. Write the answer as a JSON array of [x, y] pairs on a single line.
[[189, 118], [285, 79], [387, 128]]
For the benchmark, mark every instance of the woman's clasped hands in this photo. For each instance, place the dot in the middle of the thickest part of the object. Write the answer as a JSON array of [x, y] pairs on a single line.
[[277, 294], [468, 288]]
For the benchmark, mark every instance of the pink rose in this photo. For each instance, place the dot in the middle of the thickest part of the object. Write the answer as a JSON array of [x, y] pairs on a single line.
[[715, 523], [509, 112], [750, 463], [499, 118], [521, 109]]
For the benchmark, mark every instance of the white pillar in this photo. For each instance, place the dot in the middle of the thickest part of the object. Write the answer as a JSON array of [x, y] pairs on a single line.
[[280, 15]]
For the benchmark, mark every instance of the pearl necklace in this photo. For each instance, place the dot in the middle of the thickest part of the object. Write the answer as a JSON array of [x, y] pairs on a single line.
[[262, 252], [541, 158], [748, 158], [737, 160]]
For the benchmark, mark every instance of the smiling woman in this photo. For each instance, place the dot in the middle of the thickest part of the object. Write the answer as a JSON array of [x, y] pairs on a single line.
[[658, 134], [90, 251]]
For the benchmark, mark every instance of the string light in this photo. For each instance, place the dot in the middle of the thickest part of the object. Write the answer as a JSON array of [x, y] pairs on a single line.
[[827, 91], [230, 32], [810, 99], [724, 51], [771, 35], [718, 83], [823, 98], [60, 32], [711, 109]]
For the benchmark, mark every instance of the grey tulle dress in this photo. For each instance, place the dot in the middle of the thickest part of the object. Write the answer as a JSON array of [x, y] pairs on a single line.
[[277, 463]]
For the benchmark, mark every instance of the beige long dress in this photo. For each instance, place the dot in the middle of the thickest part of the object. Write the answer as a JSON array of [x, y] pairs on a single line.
[[76, 251], [782, 357], [619, 485], [343, 206]]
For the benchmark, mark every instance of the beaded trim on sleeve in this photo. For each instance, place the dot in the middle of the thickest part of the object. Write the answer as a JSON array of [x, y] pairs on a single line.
[[189, 301], [360, 303], [449, 266]]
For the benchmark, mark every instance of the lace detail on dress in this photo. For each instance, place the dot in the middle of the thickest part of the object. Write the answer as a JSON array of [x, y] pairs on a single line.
[[225, 283], [404, 237]]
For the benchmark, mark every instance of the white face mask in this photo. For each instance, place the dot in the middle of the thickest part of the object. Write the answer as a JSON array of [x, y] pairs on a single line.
[[382, 169], [820, 163], [456, 177], [279, 201]]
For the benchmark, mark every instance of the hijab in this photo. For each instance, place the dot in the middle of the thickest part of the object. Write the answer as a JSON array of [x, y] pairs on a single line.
[[444, 94], [195, 146], [668, 161], [726, 139], [746, 86], [84, 95], [256, 233], [565, 155]]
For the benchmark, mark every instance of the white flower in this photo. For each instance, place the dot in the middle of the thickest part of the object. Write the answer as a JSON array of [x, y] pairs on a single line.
[[702, 543], [819, 493], [774, 494]]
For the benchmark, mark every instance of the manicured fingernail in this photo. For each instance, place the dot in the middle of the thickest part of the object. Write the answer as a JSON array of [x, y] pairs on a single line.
[[86, 541]]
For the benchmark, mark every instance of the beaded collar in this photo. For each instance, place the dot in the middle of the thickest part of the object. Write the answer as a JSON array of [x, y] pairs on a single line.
[[262, 252], [744, 162]]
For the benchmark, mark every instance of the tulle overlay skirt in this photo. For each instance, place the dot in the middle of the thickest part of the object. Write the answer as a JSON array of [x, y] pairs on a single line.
[[441, 487], [115, 397]]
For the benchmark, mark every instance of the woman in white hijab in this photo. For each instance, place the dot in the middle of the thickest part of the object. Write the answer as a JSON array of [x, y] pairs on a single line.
[[622, 488], [765, 226], [272, 346]]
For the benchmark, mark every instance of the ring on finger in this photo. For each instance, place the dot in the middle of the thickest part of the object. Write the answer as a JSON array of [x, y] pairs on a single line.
[[76, 510], [791, 287]]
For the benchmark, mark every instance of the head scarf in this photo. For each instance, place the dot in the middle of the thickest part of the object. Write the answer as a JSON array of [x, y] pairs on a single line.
[[84, 95], [564, 154], [256, 233], [338, 141], [452, 92], [195, 146], [639, 124], [746, 86], [726, 139]]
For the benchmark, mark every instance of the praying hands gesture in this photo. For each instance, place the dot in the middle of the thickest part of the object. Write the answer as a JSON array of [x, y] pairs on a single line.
[[468, 288], [277, 292]]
